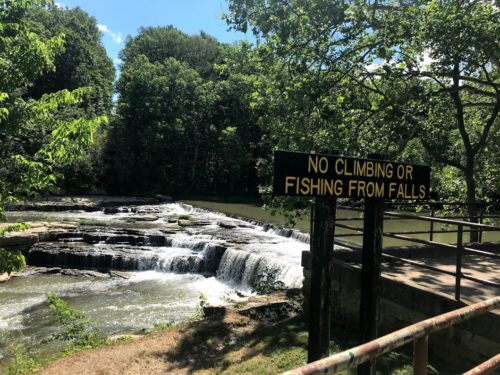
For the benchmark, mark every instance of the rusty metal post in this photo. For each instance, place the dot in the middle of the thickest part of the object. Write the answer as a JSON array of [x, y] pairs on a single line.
[[420, 355], [458, 271]]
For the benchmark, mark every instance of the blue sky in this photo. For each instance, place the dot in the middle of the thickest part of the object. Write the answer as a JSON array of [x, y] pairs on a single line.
[[119, 18]]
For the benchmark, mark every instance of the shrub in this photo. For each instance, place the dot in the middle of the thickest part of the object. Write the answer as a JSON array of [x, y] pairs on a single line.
[[78, 331]]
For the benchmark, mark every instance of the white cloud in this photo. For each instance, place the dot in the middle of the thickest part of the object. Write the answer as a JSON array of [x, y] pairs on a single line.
[[58, 5], [117, 37], [117, 61]]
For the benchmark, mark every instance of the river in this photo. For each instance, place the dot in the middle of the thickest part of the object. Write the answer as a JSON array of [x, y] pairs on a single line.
[[167, 268]]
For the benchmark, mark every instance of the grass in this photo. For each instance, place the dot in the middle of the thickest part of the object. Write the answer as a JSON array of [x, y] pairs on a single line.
[[284, 347], [267, 350], [161, 326]]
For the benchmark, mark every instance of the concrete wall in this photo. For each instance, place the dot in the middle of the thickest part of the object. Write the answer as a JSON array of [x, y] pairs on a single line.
[[460, 347]]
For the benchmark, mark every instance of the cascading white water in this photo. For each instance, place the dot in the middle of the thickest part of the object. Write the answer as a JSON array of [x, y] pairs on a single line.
[[175, 265]]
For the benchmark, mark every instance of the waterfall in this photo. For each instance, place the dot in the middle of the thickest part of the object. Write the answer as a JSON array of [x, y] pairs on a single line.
[[286, 232], [242, 267]]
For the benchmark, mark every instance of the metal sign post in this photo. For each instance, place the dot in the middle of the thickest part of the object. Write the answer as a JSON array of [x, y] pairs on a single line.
[[373, 225], [323, 228], [328, 177]]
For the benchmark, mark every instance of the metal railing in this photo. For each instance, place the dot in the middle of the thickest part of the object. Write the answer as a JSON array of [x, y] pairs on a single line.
[[417, 333], [459, 248]]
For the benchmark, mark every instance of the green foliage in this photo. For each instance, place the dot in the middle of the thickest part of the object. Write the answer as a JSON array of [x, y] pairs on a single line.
[[417, 80], [161, 326], [18, 227], [23, 361], [199, 52], [82, 62], [43, 132], [182, 124], [266, 281], [202, 302], [11, 261], [77, 329]]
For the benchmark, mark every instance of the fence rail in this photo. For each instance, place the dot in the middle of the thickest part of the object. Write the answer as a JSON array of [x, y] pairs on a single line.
[[417, 333], [458, 247]]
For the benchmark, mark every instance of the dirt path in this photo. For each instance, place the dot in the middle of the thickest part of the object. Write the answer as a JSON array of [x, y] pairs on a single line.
[[195, 348]]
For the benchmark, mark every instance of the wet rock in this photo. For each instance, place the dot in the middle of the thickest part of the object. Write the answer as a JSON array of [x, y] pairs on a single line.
[[171, 229], [51, 235], [245, 225], [118, 274], [227, 224], [193, 223], [184, 222], [269, 312], [115, 210], [18, 240], [112, 257], [212, 259], [209, 311], [87, 273], [143, 218]]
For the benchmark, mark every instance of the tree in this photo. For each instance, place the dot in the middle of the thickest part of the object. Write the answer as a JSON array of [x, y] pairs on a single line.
[[414, 70], [159, 111], [34, 138], [199, 52], [183, 125], [83, 62]]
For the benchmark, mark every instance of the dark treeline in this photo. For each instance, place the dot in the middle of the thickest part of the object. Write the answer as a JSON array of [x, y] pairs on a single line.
[[181, 126]]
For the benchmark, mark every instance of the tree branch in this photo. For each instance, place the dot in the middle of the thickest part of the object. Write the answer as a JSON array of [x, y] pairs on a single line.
[[460, 111], [440, 157], [479, 104]]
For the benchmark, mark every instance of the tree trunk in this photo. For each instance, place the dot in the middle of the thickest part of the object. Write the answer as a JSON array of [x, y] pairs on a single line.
[[471, 199]]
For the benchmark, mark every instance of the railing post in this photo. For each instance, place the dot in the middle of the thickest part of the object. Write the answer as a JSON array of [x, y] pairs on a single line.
[[420, 355], [431, 235], [481, 214], [458, 272]]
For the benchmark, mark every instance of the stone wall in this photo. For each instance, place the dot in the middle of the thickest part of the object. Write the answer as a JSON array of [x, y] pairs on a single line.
[[461, 347]]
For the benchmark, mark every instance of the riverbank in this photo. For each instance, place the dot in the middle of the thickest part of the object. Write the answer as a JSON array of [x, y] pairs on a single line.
[[263, 335]]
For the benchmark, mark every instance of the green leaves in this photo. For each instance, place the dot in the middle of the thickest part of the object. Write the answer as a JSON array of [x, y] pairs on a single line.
[[377, 77], [77, 329], [11, 261], [42, 130]]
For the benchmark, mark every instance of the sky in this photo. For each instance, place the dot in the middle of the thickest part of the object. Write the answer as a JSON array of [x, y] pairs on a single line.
[[119, 18]]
